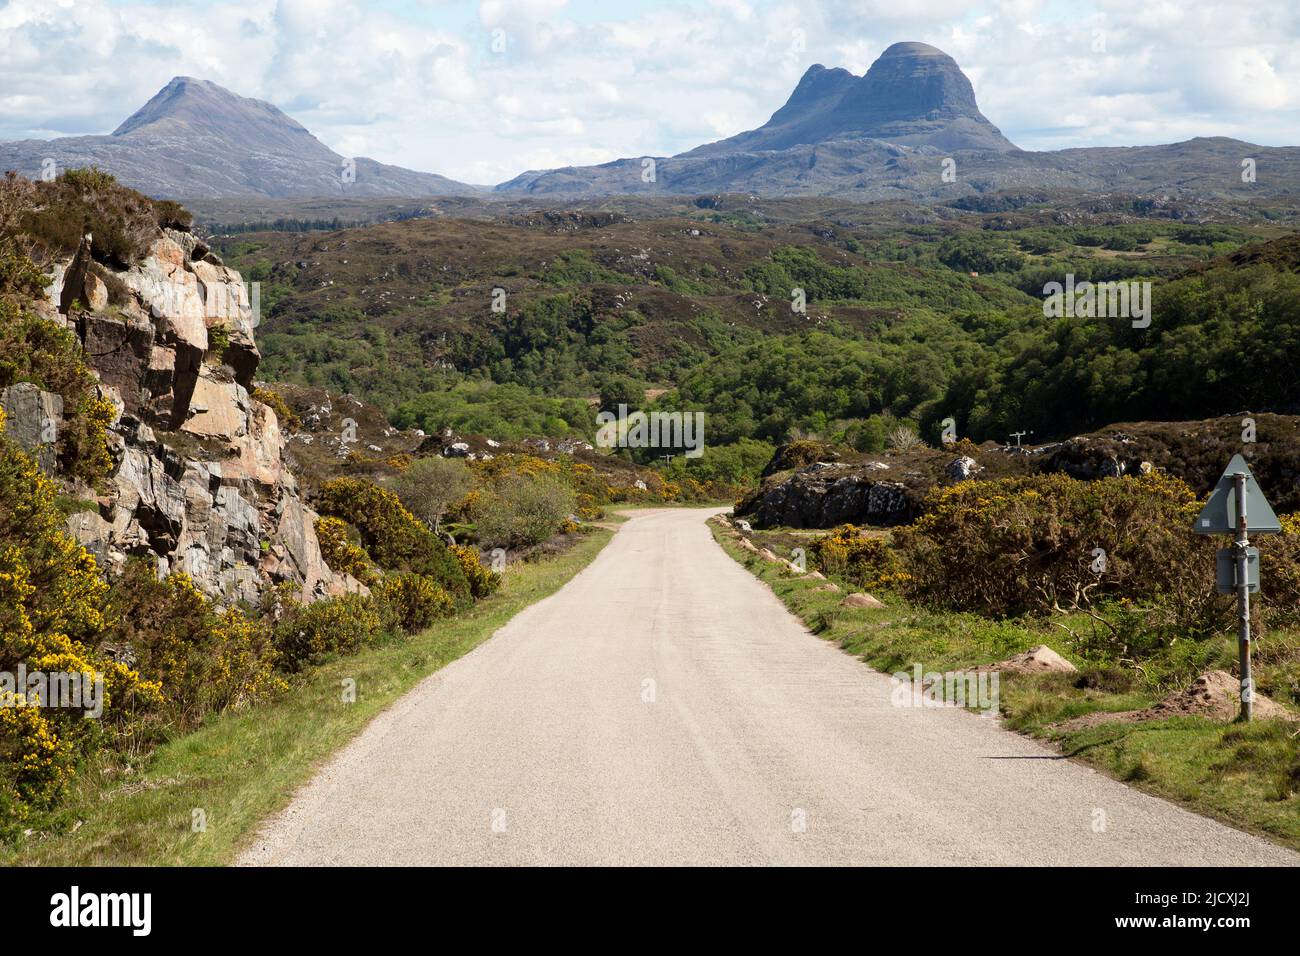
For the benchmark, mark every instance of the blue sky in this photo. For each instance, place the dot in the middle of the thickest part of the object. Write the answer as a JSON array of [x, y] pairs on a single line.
[[418, 83]]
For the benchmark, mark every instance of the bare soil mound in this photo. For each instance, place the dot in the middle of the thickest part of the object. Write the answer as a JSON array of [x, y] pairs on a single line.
[[1214, 696]]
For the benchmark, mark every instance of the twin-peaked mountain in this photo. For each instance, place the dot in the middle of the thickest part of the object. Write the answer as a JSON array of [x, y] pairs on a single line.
[[914, 95], [888, 134]]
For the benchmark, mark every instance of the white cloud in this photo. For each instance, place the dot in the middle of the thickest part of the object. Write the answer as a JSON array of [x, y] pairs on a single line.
[[418, 83]]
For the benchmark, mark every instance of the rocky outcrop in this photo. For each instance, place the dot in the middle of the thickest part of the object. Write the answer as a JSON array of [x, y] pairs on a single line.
[[822, 497], [201, 482], [890, 488], [32, 420]]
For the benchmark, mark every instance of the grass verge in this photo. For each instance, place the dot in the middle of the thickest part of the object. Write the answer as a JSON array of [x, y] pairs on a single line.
[[242, 767], [1247, 776]]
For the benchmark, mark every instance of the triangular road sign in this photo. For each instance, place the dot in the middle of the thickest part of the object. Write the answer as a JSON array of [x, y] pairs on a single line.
[[1219, 516]]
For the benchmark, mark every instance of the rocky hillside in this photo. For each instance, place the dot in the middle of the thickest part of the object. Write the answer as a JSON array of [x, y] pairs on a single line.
[[198, 480]]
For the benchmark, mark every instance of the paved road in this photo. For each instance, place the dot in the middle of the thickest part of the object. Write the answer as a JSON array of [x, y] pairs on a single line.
[[664, 708]]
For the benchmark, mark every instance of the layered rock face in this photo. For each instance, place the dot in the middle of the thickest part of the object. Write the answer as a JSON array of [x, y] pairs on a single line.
[[201, 482]]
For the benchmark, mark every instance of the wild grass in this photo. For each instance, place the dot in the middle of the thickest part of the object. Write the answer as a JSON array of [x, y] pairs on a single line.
[[242, 767]]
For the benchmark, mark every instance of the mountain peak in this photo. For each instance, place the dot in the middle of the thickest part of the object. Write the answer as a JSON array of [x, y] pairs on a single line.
[[196, 139], [912, 48], [190, 106], [914, 94]]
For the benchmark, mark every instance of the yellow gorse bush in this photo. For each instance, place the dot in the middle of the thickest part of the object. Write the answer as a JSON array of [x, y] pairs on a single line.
[[482, 581], [412, 602], [341, 553], [53, 607]]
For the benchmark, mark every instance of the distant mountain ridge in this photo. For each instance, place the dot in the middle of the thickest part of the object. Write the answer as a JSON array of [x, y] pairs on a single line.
[[885, 135], [195, 139]]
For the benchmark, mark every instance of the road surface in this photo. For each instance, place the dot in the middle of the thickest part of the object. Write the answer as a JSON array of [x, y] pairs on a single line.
[[665, 708]]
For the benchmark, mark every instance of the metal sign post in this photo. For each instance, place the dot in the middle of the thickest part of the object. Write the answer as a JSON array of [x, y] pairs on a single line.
[[1236, 496], [1243, 599]]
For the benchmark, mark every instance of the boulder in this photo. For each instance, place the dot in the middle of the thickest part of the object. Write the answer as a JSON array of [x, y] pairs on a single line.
[[95, 292], [1036, 660], [860, 599], [962, 469]]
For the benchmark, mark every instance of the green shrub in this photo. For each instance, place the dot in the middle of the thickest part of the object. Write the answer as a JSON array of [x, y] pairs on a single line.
[[341, 552], [20, 279], [287, 417], [390, 534], [411, 602], [865, 562], [430, 487], [51, 358], [522, 510], [205, 660], [305, 634], [1031, 545]]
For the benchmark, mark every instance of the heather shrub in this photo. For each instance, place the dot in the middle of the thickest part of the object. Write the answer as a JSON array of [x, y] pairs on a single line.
[[55, 215]]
